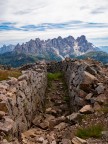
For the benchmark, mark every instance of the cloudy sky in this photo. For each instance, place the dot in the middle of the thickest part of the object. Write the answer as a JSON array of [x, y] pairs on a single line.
[[21, 20]]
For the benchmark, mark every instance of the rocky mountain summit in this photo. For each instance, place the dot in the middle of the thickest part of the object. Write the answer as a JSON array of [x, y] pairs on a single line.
[[55, 49], [55, 103], [61, 47]]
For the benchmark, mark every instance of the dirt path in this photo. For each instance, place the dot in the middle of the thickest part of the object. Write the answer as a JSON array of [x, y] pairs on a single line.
[[57, 98]]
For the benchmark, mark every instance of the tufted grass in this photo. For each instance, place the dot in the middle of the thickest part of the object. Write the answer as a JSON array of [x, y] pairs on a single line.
[[90, 131], [55, 76], [5, 74]]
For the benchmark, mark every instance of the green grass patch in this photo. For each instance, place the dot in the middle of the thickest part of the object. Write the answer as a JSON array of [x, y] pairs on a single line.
[[5, 74], [90, 131], [55, 76]]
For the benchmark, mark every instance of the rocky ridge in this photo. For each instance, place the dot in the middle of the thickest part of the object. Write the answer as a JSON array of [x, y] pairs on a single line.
[[61, 47], [59, 119], [5, 48]]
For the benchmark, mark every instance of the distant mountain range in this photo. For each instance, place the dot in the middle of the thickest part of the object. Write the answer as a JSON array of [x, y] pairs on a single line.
[[104, 48], [62, 47], [51, 49], [98, 55], [5, 48]]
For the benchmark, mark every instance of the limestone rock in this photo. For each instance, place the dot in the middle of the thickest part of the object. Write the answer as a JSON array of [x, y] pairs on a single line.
[[73, 117], [53, 142], [88, 97], [6, 124], [2, 114], [61, 126], [101, 99], [51, 111], [77, 140], [100, 88], [86, 109], [105, 134], [12, 81], [66, 141], [39, 121], [89, 78], [23, 77]]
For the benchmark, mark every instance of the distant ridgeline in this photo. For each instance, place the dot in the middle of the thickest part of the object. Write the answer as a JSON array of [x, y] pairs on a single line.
[[55, 49]]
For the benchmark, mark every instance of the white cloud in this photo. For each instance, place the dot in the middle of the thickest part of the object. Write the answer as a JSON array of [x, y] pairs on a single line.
[[35, 12]]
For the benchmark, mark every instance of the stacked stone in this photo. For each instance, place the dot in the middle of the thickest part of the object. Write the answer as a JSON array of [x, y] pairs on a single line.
[[21, 98], [86, 81]]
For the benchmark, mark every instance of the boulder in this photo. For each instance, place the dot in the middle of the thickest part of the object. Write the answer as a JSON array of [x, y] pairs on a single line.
[[88, 97], [66, 141], [39, 121], [22, 77], [73, 117], [100, 89], [77, 140], [101, 99], [61, 126], [51, 111], [6, 124], [89, 78], [87, 109]]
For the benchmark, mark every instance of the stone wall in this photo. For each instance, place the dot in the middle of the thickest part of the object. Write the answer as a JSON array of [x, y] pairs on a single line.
[[21, 99], [74, 75]]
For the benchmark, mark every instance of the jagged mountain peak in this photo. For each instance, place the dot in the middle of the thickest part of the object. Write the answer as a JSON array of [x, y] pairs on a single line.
[[62, 47], [5, 48]]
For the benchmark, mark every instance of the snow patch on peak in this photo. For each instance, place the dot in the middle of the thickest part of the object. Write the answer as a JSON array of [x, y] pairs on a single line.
[[58, 53]]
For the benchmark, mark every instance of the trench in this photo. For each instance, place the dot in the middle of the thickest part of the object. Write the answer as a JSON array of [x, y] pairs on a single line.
[[56, 107]]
